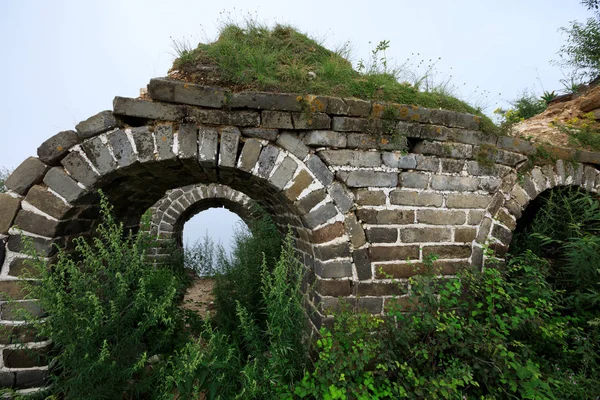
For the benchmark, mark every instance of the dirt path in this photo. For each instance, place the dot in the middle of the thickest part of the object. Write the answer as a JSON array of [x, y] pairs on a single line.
[[199, 296]]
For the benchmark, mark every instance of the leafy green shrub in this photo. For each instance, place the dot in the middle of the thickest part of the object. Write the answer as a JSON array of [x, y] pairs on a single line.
[[524, 107], [250, 362], [111, 313], [201, 256]]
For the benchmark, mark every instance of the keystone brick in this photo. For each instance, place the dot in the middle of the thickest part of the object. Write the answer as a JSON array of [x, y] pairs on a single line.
[[354, 231], [392, 253], [414, 180], [261, 133], [325, 138], [267, 101], [30, 172], [320, 170], [41, 198], [164, 142], [55, 148], [122, 150], [147, 109], [61, 183], [459, 184], [364, 178], [439, 217], [290, 142], [411, 198], [98, 153], [425, 235], [468, 200], [144, 143], [352, 158], [366, 197], [399, 160], [96, 124], [276, 119], [311, 121], [284, 173], [320, 215], [230, 139], [382, 235], [250, 153], [447, 251], [173, 91], [9, 206]]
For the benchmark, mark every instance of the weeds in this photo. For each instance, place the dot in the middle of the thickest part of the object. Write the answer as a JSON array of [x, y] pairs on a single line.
[[581, 131]]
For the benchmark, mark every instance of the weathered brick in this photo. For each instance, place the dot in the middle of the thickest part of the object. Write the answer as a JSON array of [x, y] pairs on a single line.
[[427, 163], [308, 202], [42, 247], [328, 233], [147, 109], [381, 289], [44, 200], [320, 170], [25, 358], [337, 106], [267, 101], [121, 147], [399, 160], [506, 219], [290, 142], [386, 217], [57, 180], [325, 138], [352, 158], [477, 169], [366, 197], [516, 145], [425, 235], [30, 172], [320, 215], [283, 173], [276, 119], [230, 139], [456, 183], [341, 196], [96, 124], [55, 148], [331, 251], [414, 180], [37, 224], [334, 287], [174, 91], [441, 217], [266, 160], [9, 206], [261, 133], [452, 166], [333, 269], [250, 153], [501, 233], [220, 117], [392, 253], [467, 200], [447, 251], [362, 264], [406, 270], [484, 230], [20, 311], [357, 107], [364, 178], [346, 124], [354, 231], [412, 198], [454, 150], [313, 120], [300, 183], [465, 234], [362, 141], [472, 137], [382, 235], [99, 155]]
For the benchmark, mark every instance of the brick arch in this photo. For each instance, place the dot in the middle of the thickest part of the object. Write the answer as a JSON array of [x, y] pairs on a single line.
[[504, 213], [171, 212]]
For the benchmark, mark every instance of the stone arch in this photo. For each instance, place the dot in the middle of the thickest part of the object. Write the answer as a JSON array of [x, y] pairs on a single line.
[[171, 212], [504, 214]]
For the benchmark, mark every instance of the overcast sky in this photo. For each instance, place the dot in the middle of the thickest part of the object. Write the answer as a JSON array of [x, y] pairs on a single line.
[[65, 60]]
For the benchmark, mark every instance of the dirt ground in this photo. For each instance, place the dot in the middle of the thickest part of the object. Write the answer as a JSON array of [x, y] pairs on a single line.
[[199, 297]]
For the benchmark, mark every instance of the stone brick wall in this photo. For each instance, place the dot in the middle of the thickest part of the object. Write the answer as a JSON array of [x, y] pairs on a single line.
[[368, 197]]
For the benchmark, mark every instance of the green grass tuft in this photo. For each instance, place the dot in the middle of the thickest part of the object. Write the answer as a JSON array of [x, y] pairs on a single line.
[[281, 59]]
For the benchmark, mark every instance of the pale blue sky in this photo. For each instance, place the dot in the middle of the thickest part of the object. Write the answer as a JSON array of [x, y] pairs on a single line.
[[65, 60]]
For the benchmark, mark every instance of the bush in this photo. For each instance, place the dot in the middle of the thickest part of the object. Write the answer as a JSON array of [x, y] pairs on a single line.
[[582, 51], [111, 313]]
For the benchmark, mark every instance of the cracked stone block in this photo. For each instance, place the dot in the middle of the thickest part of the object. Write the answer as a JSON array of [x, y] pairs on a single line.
[[30, 172], [55, 148]]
